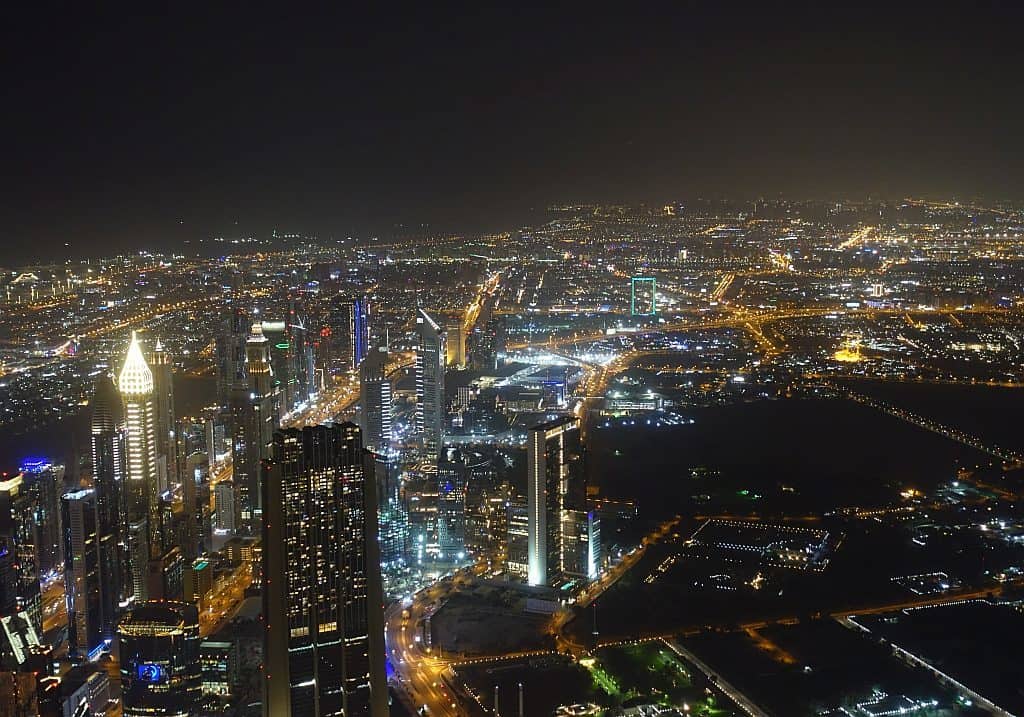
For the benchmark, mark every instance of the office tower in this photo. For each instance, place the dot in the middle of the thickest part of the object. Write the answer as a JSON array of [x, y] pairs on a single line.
[[301, 348], [581, 544], [452, 480], [136, 385], [167, 576], [83, 585], [161, 675], [189, 535], [219, 661], [136, 550], [517, 540], [554, 485], [281, 366], [230, 352], [322, 603], [224, 501], [375, 400], [349, 331], [642, 296], [19, 554], [393, 519], [487, 343], [166, 434], [44, 482], [108, 480], [255, 427], [455, 344], [430, 401]]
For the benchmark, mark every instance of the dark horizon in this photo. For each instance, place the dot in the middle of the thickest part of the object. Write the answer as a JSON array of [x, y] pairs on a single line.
[[132, 131]]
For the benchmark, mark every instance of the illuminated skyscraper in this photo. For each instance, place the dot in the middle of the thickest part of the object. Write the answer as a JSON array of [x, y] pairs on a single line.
[[230, 350], [83, 585], [452, 480], [166, 435], [322, 602], [19, 552], [108, 479], [161, 675], [257, 422], [349, 323], [135, 383], [455, 343], [554, 485], [430, 401], [375, 400]]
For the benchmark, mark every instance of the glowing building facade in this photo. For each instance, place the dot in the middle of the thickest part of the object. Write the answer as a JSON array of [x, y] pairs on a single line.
[[322, 601], [556, 493], [135, 383], [430, 401]]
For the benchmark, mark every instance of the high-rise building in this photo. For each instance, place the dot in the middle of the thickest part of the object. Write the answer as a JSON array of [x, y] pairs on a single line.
[[227, 509], [555, 485], [517, 540], [349, 332], [322, 602], [452, 481], [375, 400], [487, 344], [83, 585], [19, 553], [44, 482], [255, 428], [108, 480], [455, 343], [642, 296], [393, 518], [230, 351], [161, 675], [136, 550], [430, 400], [301, 347], [166, 432], [135, 383]]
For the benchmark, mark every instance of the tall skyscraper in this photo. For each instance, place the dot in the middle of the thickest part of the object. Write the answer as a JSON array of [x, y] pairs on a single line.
[[19, 552], [44, 482], [257, 422], [166, 433], [455, 343], [161, 675], [108, 480], [83, 586], [554, 485], [430, 400], [135, 383], [349, 324], [230, 350], [452, 481], [322, 602], [375, 400], [392, 516]]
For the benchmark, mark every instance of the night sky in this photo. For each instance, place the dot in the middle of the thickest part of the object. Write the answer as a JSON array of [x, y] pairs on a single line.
[[131, 131]]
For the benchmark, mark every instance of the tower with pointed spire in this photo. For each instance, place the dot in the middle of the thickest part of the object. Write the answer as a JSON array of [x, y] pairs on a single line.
[[135, 383]]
